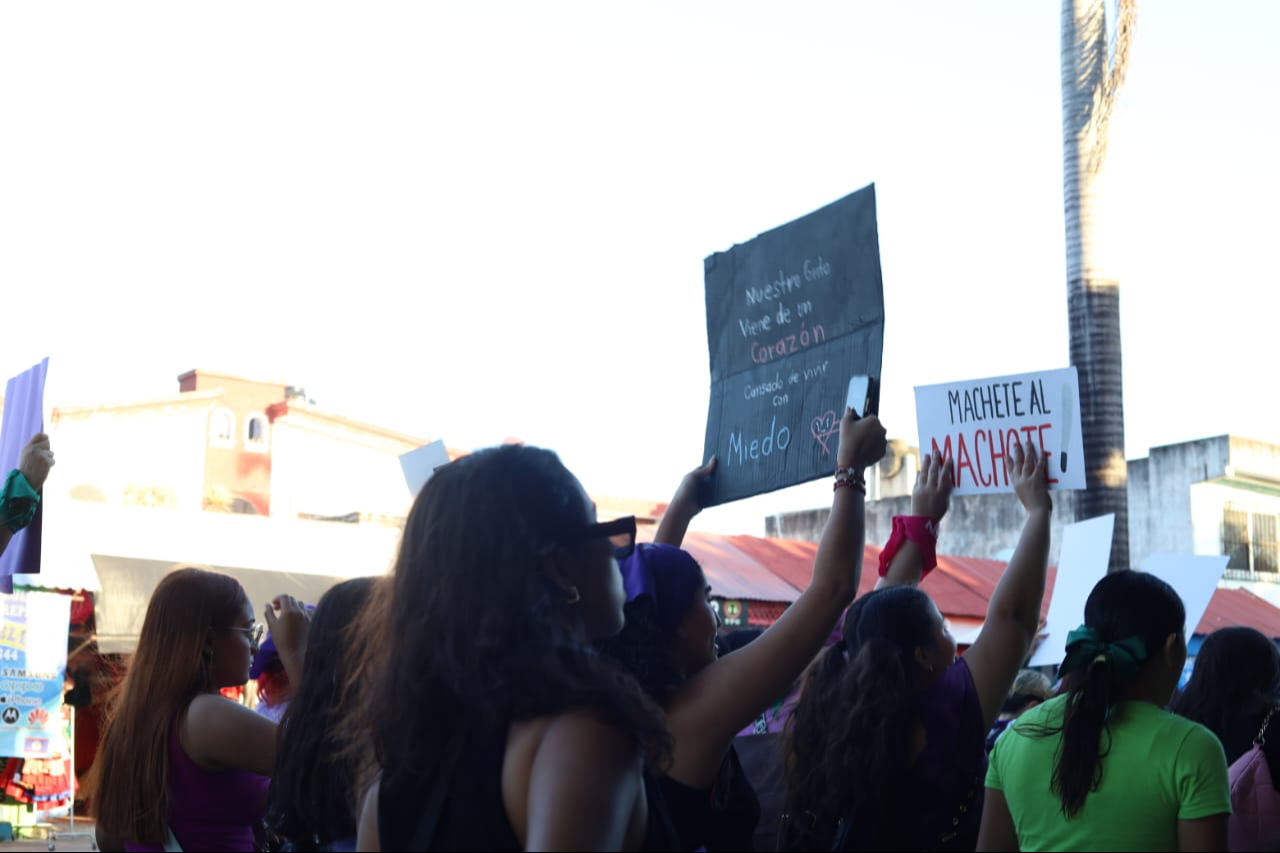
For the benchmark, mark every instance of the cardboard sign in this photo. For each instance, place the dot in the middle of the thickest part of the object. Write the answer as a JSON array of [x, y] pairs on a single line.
[[1194, 577], [23, 418], [33, 662], [792, 316], [976, 422], [1082, 562], [418, 465]]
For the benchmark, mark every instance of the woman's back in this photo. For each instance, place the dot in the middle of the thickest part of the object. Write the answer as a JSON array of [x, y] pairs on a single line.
[[470, 814], [1157, 768]]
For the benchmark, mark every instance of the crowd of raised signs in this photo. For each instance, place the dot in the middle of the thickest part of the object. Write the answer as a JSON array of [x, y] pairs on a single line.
[[528, 677]]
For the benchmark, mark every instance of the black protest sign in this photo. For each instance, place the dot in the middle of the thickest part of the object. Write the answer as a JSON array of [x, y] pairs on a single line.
[[791, 316]]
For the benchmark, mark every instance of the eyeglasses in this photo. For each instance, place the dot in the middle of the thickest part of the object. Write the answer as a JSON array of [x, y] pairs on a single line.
[[621, 533], [253, 632]]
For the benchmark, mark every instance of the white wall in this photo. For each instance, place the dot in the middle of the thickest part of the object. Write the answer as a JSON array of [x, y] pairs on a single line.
[[322, 469]]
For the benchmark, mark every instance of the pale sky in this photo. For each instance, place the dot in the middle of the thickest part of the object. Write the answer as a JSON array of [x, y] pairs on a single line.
[[480, 220]]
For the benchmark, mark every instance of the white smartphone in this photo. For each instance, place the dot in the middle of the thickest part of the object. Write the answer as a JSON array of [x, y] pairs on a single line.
[[863, 396]]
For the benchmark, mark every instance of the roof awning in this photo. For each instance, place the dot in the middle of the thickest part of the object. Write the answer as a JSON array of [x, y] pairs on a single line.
[[127, 584]]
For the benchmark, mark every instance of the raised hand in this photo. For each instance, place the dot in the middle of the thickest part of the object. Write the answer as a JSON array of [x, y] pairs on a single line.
[[35, 460], [1027, 471], [687, 494], [931, 496], [862, 441], [289, 623]]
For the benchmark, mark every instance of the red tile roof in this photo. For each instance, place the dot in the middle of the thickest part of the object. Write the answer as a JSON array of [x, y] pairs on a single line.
[[1231, 607], [761, 569]]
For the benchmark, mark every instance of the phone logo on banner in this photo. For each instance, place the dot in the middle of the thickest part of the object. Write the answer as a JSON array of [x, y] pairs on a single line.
[[11, 715]]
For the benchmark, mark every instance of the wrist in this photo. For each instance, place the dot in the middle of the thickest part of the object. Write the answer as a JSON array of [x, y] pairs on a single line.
[[18, 501], [850, 478]]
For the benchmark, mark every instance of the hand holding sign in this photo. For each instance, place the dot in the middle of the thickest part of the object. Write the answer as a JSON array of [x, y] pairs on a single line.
[[36, 460], [931, 497], [691, 496], [1027, 471], [862, 441]]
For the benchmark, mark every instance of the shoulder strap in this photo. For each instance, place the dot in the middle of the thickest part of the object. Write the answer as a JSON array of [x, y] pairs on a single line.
[[425, 832], [1261, 739]]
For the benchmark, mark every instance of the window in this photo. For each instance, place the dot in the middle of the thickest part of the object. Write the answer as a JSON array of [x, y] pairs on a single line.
[[1235, 538], [255, 432], [1265, 557], [1251, 541], [222, 428]]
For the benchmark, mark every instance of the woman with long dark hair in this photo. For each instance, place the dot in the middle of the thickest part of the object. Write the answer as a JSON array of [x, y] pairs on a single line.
[[1233, 693], [179, 764], [498, 726], [311, 801], [886, 747], [669, 644], [1103, 766]]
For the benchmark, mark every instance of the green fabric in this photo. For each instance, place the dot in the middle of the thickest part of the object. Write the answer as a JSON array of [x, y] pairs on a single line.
[[1161, 768], [18, 502], [1085, 645]]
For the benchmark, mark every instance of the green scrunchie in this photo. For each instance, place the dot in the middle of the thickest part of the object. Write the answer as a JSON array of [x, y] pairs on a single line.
[[18, 502], [1085, 646]]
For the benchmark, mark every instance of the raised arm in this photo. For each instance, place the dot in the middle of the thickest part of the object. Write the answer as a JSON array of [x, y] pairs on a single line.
[[716, 703], [1013, 616], [684, 506], [931, 498], [290, 625]]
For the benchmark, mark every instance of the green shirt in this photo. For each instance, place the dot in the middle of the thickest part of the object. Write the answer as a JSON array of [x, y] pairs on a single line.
[[1160, 768]]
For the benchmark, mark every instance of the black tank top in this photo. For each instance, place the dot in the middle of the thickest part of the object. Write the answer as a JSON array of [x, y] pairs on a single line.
[[723, 817], [472, 815]]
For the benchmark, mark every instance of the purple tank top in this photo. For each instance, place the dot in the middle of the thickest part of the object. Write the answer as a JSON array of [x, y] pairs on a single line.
[[208, 809]]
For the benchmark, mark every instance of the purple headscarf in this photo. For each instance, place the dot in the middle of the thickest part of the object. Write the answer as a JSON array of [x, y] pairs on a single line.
[[669, 576]]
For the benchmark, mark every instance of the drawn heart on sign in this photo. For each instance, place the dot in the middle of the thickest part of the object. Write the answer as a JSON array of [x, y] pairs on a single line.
[[823, 427]]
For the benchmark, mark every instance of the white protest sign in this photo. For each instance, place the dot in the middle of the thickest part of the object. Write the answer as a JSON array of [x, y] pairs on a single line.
[[1194, 577], [1082, 562], [418, 465], [975, 423]]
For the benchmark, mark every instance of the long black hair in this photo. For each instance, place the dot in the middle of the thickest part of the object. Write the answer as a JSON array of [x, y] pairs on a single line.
[[1123, 606], [311, 800], [1233, 685], [848, 741], [476, 632]]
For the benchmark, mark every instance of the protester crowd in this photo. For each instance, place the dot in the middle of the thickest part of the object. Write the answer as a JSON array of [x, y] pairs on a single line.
[[528, 677]]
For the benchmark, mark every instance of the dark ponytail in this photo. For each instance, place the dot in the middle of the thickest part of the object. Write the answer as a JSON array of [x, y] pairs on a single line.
[[1128, 618], [848, 741]]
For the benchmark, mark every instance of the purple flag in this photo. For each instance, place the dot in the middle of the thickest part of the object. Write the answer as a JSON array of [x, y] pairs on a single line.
[[23, 418]]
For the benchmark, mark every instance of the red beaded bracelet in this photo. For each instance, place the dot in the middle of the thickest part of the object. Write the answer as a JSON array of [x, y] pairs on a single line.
[[855, 482]]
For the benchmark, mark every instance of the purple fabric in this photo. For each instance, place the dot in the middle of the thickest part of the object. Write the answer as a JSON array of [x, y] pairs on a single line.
[[23, 418], [953, 763], [668, 575], [210, 810]]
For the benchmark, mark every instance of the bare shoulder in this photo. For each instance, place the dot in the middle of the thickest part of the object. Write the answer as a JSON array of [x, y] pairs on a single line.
[[219, 734], [574, 763]]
